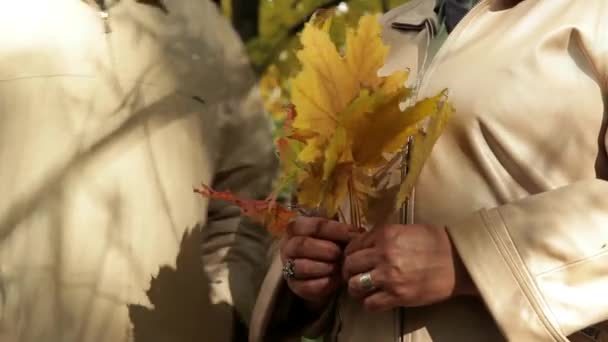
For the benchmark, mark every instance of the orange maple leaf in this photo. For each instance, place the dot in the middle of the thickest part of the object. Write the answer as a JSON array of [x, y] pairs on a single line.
[[269, 213]]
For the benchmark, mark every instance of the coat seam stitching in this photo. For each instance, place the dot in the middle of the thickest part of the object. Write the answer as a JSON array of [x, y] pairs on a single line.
[[503, 250], [572, 263], [538, 303]]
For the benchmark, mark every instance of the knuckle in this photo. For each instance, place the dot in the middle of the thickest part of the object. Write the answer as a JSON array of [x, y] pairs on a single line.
[[354, 288], [283, 250], [390, 254], [375, 257], [327, 269], [388, 278], [291, 227], [297, 226], [299, 246], [291, 246], [322, 226], [286, 249], [352, 284], [325, 228], [307, 289], [392, 275], [347, 265], [303, 226], [326, 285], [394, 281], [353, 245], [333, 252], [320, 287], [302, 243], [301, 267], [322, 223], [403, 292], [370, 305], [305, 246], [388, 232]]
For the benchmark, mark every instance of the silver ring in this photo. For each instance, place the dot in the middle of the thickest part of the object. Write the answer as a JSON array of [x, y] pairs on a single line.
[[289, 270], [366, 282]]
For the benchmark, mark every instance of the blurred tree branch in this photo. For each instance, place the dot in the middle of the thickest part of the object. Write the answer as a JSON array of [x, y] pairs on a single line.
[[385, 6], [243, 14], [245, 18], [292, 31]]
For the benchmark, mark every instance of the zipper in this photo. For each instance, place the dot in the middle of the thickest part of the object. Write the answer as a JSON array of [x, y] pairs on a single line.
[[102, 10], [407, 209]]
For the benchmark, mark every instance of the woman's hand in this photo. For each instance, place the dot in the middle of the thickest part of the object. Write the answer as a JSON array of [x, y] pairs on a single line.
[[314, 247], [410, 265]]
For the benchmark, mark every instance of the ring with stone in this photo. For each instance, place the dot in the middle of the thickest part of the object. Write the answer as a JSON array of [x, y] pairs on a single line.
[[289, 269]]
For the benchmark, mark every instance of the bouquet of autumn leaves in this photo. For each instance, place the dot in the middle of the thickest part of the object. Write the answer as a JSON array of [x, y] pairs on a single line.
[[345, 134]]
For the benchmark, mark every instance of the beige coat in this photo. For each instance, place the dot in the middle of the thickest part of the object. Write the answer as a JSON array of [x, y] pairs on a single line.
[[518, 178], [102, 137]]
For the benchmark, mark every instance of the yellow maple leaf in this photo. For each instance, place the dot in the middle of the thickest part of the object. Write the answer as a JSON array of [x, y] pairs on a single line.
[[398, 127], [394, 82], [313, 150], [335, 190], [422, 146], [270, 90], [309, 191], [324, 87], [366, 52], [375, 129], [349, 116]]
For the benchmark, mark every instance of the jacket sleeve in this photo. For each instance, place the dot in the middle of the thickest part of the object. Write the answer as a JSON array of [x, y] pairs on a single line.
[[541, 264], [234, 250]]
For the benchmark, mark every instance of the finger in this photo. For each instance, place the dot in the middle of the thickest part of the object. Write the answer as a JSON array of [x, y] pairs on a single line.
[[355, 288], [380, 301], [310, 269], [300, 225], [359, 262], [322, 229], [282, 244], [311, 248], [314, 289], [362, 241]]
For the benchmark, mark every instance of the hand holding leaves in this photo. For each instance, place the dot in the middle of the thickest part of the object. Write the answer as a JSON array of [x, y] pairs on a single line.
[[345, 128]]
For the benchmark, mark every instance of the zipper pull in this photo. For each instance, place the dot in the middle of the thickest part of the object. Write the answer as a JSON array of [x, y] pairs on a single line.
[[104, 15], [407, 27]]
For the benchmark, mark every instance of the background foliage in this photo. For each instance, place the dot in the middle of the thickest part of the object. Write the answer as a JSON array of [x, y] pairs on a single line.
[[270, 30]]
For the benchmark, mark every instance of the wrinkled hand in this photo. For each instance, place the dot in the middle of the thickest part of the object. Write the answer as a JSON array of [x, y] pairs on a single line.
[[316, 247], [410, 265]]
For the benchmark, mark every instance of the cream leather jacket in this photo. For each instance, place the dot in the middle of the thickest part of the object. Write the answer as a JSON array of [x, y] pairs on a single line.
[[518, 178], [102, 137]]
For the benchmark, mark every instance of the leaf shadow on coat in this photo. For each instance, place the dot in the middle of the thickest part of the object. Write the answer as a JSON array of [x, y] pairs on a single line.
[[182, 311]]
